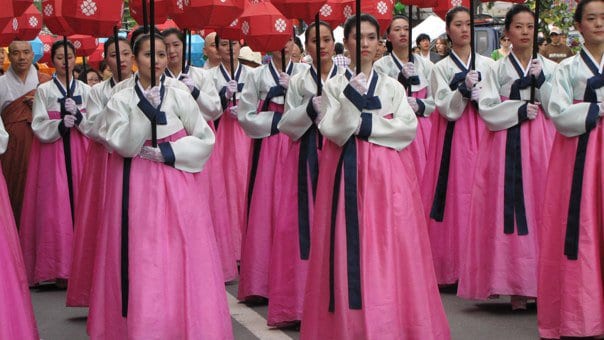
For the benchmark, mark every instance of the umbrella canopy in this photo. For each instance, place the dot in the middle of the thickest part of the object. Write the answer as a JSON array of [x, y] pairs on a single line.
[[444, 5], [20, 6], [197, 44], [30, 23], [96, 57], [53, 19], [335, 12], [264, 28], [38, 48], [7, 14], [299, 9], [381, 11], [85, 44], [199, 14], [9, 33], [47, 41], [230, 32], [162, 10], [93, 17]]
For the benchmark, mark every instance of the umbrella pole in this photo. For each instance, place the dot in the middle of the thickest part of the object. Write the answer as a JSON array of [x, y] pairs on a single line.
[[410, 42], [318, 46], [145, 17], [358, 36], [117, 54], [535, 46], [472, 48], [189, 49], [184, 50], [66, 139], [153, 78], [232, 61]]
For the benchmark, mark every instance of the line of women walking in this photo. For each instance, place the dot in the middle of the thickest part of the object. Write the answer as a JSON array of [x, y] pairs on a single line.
[[348, 195]]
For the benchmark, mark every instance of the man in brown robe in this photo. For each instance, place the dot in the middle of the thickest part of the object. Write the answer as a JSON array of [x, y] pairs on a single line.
[[17, 88]]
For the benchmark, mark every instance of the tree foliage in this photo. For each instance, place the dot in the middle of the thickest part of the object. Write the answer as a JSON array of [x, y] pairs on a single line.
[[554, 13]]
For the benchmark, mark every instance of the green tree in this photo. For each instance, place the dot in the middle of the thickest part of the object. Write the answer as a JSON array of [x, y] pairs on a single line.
[[554, 13]]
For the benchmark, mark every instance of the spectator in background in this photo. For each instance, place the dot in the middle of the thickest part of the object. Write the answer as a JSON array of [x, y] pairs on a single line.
[[104, 70], [504, 50], [557, 50], [423, 42], [77, 70], [298, 50], [340, 59], [442, 47], [249, 58], [541, 42], [210, 53], [90, 76], [381, 50]]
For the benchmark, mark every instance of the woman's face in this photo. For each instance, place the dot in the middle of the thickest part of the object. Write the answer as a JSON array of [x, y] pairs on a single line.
[[126, 59], [174, 49], [326, 43], [399, 33], [459, 29], [369, 41], [143, 59], [59, 60], [92, 78], [223, 50], [441, 46], [521, 30], [592, 23]]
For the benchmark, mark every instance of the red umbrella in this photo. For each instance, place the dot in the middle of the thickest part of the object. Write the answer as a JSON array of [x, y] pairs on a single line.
[[264, 28], [167, 24], [335, 12], [199, 14], [47, 41], [9, 33], [302, 9], [230, 32], [96, 57], [381, 10], [20, 6], [30, 23], [93, 17], [7, 14], [52, 15], [85, 44], [163, 8], [444, 6]]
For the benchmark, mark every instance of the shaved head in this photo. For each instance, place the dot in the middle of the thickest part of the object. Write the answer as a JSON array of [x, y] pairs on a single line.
[[19, 45]]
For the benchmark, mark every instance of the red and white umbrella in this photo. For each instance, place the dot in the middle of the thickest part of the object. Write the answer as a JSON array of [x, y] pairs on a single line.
[[85, 44], [53, 19], [93, 17], [163, 9], [299, 9], [335, 12], [20, 6], [47, 41], [200, 14], [30, 23], [264, 28]]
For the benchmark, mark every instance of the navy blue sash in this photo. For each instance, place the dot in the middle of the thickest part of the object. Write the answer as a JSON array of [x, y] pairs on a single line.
[[275, 91], [347, 166], [437, 211], [513, 193], [571, 240], [77, 99], [151, 112], [224, 101]]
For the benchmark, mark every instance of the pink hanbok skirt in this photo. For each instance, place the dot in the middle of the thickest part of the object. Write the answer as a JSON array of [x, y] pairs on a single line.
[[421, 143], [176, 285]]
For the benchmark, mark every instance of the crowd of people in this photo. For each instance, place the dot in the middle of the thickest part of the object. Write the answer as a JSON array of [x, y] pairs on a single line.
[[342, 192]]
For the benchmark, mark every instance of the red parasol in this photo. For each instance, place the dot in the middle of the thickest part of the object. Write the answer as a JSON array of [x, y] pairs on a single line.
[[20, 6], [335, 12], [52, 15], [264, 28], [163, 8], [85, 44], [445, 5], [47, 41], [167, 24], [381, 10], [30, 23], [230, 32], [302, 9], [9, 33], [96, 57], [93, 17], [7, 14], [199, 14]]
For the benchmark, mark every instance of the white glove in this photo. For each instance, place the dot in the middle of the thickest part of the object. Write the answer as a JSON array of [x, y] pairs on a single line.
[[69, 120], [359, 83], [231, 88], [475, 94], [233, 110], [471, 79], [413, 103], [188, 81], [316, 104], [153, 96], [71, 106], [535, 68], [151, 153], [284, 80], [531, 111], [408, 70]]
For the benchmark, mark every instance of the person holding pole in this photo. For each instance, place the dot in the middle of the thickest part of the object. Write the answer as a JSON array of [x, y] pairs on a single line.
[[55, 167]]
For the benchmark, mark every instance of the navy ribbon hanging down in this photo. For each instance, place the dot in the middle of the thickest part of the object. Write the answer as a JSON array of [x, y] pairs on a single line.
[[275, 91], [347, 166], [406, 82], [571, 240], [440, 195], [513, 193], [149, 110], [308, 160]]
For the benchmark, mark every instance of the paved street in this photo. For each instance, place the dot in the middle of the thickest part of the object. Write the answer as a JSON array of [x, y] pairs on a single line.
[[492, 320]]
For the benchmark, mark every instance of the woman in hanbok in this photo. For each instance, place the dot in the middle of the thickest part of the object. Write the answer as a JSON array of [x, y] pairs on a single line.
[[201, 86], [56, 165], [454, 140], [16, 312], [372, 272], [231, 141], [502, 249], [99, 163], [413, 74], [259, 112], [571, 263], [157, 270], [291, 237]]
